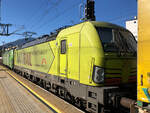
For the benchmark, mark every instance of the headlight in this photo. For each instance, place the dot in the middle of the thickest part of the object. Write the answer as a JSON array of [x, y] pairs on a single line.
[[98, 75]]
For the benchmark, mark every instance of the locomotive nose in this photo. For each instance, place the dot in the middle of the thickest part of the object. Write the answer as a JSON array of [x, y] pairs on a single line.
[[120, 71]]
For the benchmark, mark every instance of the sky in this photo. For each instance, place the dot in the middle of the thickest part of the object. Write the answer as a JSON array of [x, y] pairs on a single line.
[[45, 16]]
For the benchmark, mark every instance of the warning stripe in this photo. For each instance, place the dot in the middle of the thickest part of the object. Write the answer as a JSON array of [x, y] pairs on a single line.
[[52, 107]]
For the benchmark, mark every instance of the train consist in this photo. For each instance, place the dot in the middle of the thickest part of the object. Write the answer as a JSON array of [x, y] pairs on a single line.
[[91, 64]]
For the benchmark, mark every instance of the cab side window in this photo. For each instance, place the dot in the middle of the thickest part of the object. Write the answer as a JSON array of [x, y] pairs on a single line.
[[63, 47]]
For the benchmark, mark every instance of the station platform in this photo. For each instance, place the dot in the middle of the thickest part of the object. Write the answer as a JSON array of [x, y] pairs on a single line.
[[15, 97]]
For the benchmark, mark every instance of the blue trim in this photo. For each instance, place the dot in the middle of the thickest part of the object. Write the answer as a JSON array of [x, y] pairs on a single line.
[[146, 93]]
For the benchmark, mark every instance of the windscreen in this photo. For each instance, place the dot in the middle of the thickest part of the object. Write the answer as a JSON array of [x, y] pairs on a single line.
[[114, 40]]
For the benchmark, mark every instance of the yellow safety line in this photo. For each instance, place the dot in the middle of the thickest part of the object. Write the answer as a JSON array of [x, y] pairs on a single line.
[[45, 101]]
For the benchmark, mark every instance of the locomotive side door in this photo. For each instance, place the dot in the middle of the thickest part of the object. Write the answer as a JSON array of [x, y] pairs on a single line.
[[63, 57]]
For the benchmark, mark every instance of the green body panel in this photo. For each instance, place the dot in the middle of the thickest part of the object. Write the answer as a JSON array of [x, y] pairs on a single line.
[[83, 51], [8, 58], [11, 58], [5, 58]]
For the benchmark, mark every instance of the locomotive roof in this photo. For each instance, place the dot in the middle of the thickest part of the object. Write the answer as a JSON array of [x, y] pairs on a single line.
[[74, 28], [44, 38], [39, 40], [78, 27], [106, 24]]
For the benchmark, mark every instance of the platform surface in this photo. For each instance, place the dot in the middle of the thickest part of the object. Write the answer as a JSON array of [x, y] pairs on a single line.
[[14, 98], [19, 95]]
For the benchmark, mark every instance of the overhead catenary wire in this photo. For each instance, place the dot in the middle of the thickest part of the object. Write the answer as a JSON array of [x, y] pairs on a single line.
[[123, 17], [30, 20], [44, 24], [43, 16], [54, 18]]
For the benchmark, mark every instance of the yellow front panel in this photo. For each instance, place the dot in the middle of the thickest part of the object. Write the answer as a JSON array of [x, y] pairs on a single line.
[[143, 50], [91, 53]]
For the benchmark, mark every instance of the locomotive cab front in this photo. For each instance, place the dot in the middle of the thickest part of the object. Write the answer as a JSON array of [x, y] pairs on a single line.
[[119, 48], [112, 53]]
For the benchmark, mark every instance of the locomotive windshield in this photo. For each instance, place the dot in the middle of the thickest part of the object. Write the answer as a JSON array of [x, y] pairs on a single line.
[[114, 40]]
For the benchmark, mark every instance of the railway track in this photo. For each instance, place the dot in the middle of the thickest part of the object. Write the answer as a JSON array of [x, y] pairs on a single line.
[[30, 98]]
